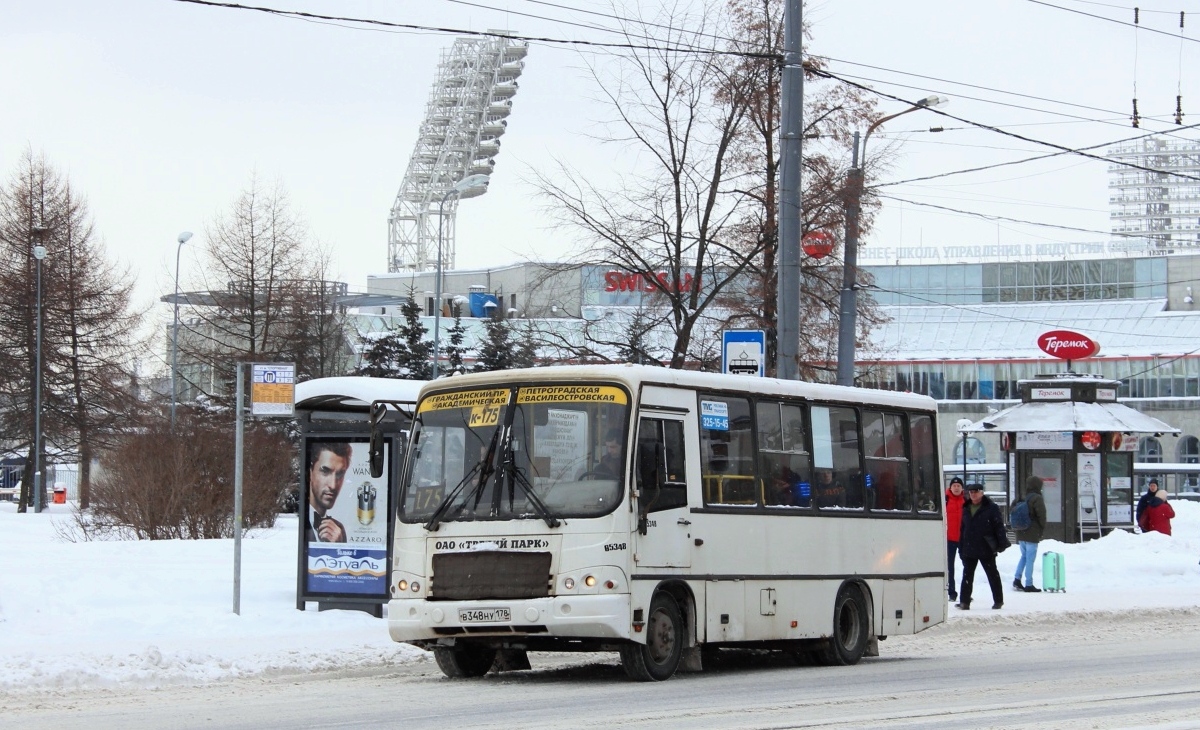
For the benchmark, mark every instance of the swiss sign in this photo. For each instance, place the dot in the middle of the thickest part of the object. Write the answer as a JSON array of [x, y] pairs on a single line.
[[1067, 345]]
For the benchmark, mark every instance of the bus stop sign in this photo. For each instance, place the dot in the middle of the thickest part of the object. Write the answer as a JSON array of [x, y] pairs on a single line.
[[273, 389], [744, 352]]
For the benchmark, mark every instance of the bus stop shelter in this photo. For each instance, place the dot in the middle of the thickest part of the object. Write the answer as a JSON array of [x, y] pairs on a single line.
[[348, 566], [1070, 430]]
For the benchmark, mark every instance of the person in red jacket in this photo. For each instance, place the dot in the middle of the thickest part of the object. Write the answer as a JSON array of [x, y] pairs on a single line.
[[954, 506], [1158, 514]]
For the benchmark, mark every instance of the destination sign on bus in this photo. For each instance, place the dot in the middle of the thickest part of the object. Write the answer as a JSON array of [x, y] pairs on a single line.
[[572, 394], [464, 399]]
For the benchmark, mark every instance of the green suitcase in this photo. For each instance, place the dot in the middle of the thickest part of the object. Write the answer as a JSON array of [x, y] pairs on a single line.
[[1054, 573]]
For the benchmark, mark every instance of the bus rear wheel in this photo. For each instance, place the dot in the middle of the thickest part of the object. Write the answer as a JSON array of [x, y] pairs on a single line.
[[851, 629], [463, 660], [659, 657]]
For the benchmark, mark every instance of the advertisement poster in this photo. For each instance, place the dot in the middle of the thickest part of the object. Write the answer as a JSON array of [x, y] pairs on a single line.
[[1088, 479], [346, 519]]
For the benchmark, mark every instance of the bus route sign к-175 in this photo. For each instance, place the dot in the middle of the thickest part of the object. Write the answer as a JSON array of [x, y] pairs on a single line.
[[273, 389]]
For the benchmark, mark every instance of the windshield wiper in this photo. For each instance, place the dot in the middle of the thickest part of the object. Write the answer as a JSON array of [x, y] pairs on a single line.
[[516, 476], [484, 469]]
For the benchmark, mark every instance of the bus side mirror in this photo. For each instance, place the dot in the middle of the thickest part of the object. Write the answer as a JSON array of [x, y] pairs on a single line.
[[375, 448]]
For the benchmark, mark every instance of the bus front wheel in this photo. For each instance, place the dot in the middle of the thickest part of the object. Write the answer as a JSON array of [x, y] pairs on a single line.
[[851, 628], [463, 660], [659, 657]]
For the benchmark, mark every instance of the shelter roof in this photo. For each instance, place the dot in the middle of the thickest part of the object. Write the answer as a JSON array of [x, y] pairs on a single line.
[[1071, 416]]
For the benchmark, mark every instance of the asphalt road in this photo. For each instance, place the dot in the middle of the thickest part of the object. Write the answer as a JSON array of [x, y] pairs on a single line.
[[1057, 671]]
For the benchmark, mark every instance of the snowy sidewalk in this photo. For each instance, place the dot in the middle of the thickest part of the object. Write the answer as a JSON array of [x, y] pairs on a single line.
[[100, 614]]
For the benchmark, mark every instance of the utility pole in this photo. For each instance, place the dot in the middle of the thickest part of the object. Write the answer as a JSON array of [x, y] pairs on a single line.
[[791, 134], [848, 304], [848, 321]]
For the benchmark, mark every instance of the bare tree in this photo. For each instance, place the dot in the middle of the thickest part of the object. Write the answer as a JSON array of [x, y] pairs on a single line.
[[270, 298], [832, 113], [672, 222]]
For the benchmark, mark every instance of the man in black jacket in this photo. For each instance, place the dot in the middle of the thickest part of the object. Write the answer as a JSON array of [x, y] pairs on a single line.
[[982, 533]]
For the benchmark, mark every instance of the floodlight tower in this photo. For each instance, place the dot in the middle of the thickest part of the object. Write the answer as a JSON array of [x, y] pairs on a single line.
[[460, 136]]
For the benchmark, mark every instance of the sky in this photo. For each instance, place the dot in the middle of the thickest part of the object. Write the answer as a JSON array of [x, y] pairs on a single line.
[[92, 615], [160, 112]]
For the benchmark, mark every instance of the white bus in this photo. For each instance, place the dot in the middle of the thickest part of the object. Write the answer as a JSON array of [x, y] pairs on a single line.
[[659, 512]]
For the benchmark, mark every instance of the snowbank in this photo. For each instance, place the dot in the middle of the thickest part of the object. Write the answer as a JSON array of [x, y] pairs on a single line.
[[99, 614]]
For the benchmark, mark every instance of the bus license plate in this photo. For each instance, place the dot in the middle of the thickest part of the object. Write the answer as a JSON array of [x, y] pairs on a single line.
[[483, 615]]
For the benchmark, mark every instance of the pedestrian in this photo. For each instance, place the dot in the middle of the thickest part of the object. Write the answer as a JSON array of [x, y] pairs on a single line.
[[1158, 514], [954, 507], [981, 538], [1151, 491], [1028, 539]]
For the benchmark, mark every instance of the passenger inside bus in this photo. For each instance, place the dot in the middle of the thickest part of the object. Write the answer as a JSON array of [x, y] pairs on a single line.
[[827, 491], [609, 465], [786, 483]]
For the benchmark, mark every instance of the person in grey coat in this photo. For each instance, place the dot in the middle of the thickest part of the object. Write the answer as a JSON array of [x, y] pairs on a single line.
[[1028, 539]]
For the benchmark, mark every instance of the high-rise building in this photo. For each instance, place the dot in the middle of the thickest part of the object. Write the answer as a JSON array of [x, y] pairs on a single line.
[[1155, 194]]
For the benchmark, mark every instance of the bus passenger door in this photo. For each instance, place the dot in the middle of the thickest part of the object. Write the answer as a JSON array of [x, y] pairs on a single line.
[[664, 536]]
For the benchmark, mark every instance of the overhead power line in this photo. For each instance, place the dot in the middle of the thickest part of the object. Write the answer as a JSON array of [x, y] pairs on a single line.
[[1053, 145], [486, 34], [1022, 161], [1173, 36]]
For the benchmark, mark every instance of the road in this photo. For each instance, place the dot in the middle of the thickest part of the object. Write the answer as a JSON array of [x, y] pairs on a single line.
[[1053, 671]]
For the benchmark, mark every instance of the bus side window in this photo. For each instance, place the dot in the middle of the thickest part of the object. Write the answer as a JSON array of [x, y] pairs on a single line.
[[884, 438], [838, 482], [927, 479], [728, 474], [661, 479]]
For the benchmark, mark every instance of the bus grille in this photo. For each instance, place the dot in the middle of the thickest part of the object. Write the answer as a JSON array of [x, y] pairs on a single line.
[[487, 574]]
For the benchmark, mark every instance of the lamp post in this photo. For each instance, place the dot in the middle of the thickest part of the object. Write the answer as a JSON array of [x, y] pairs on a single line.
[[473, 185], [183, 238], [848, 304], [39, 253]]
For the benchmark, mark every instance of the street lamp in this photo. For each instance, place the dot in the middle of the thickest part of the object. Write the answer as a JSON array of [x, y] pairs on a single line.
[[183, 238], [848, 305], [470, 185], [39, 253]]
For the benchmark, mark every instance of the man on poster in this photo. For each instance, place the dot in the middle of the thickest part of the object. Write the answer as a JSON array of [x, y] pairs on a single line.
[[328, 464]]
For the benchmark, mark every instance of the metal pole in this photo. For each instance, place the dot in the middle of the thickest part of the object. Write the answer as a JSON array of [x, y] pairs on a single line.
[[791, 133], [437, 285], [849, 296], [38, 497], [964, 433], [848, 314], [237, 494], [183, 238]]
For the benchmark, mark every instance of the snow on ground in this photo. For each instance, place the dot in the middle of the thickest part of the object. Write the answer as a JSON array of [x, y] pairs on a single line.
[[102, 614]]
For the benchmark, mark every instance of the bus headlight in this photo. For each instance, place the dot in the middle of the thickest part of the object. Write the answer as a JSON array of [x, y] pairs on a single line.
[[569, 583], [415, 586], [590, 581], [402, 585]]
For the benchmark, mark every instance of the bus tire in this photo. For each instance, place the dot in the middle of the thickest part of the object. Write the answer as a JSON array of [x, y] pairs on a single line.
[[851, 628], [659, 657], [464, 660]]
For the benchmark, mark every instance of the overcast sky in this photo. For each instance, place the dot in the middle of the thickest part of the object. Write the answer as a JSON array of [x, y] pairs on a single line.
[[160, 112]]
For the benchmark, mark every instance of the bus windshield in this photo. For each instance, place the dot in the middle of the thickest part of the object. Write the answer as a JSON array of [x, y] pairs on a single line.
[[525, 452]]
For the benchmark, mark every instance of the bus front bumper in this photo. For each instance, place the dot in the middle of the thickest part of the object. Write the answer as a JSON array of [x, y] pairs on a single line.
[[583, 616]]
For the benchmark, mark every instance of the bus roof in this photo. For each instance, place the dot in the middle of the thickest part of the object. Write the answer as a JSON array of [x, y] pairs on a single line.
[[634, 376]]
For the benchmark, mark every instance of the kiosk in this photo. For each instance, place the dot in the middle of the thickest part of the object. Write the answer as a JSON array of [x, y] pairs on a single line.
[[1070, 430], [347, 517]]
